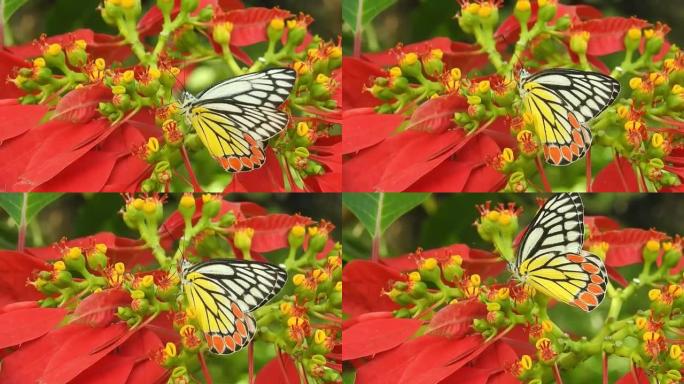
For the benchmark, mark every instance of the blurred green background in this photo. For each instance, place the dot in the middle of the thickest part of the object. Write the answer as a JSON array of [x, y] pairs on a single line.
[[76, 215], [445, 219]]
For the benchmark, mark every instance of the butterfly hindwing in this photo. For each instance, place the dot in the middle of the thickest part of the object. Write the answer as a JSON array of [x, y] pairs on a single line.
[[236, 117], [223, 293], [562, 102], [551, 259]]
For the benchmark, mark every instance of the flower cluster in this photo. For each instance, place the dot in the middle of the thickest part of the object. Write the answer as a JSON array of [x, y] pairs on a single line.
[[449, 94], [80, 83], [447, 308], [129, 290]]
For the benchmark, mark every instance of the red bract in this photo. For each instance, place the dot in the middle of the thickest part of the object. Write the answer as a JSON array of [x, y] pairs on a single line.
[[15, 270], [608, 33], [364, 283], [375, 335], [98, 309], [625, 246], [281, 369], [616, 178], [101, 45], [436, 115], [475, 260], [249, 24], [25, 324], [364, 128], [455, 320], [357, 75], [80, 105], [129, 251], [8, 63], [270, 231]]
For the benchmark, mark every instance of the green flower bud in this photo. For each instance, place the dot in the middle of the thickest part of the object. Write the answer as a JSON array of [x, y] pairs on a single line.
[[547, 10], [211, 206], [188, 6], [97, 258], [295, 237]]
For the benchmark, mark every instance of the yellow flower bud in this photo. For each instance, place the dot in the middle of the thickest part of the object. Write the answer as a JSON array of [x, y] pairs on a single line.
[[320, 337], [414, 276], [635, 82], [54, 49], [59, 266], [634, 33], [153, 144], [526, 362], [483, 86], [437, 53], [657, 140], [395, 72], [277, 24], [523, 6], [298, 279], [39, 62], [475, 279], [504, 218], [73, 253], [409, 58], [456, 259], [654, 294], [508, 156], [493, 215], [302, 128], [653, 245], [648, 33], [675, 351], [429, 264], [170, 349]]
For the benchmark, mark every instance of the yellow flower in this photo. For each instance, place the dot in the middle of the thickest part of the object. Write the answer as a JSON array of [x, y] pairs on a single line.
[[635, 82], [634, 33], [508, 156], [277, 24]]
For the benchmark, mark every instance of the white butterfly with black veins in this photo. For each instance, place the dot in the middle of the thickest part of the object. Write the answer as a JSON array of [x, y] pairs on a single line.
[[236, 117]]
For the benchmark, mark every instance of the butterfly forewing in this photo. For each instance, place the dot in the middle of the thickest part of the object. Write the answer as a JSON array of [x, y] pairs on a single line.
[[222, 293], [561, 102], [550, 256]]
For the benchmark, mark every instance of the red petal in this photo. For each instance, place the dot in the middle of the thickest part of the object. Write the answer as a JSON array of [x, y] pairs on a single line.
[[470, 376], [436, 115], [82, 350], [99, 309], [364, 283], [626, 245], [272, 372], [147, 372], [15, 270], [87, 174], [615, 275], [358, 74], [250, 24], [22, 325], [608, 33], [377, 335], [17, 119], [81, 104], [367, 129], [614, 179], [27, 364], [629, 377], [597, 224], [416, 154], [268, 178], [110, 370], [8, 63], [270, 231], [455, 320]]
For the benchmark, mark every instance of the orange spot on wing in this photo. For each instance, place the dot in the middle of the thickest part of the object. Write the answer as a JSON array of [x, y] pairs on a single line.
[[552, 153], [224, 162], [247, 163], [237, 338], [591, 268], [573, 120], [567, 155], [581, 305], [596, 279], [575, 149], [577, 138], [217, 343], [235, 163], [230, 343], [250, 139], [259, 154], [576, 258], [240, 326], [595, 289], [236, 311], [589, 298]]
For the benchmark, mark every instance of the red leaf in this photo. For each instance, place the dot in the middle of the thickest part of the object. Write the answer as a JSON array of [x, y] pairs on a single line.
[[8, 63], [626, 245], [427, 359], [27, 364], [250, 24], [631, 377], [475, 260], [81, 104], [364, 283], [272, 372], [416, 154], [82, 350], [15, 270], [270, 231], [597, 224], [470, 375], [608, 33], [365, 130], [362, 172], [358, 74], [110, 370], [614, 179], [268, 178], [88, 174], [455, 320], [377, 335], [466, 171], [101, 45], [436, 115], [17, 119], [22, 325], [147, 372], [99, 309], [144, 342]]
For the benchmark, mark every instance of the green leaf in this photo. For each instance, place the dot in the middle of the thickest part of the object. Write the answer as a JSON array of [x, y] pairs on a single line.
[[363, 11], [12, 204], [377, 211], [11, 6]]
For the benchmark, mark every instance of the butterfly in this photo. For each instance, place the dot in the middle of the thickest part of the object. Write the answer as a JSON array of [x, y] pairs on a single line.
[[235, 118], [550, 257], [562, 102], [223, 293]]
